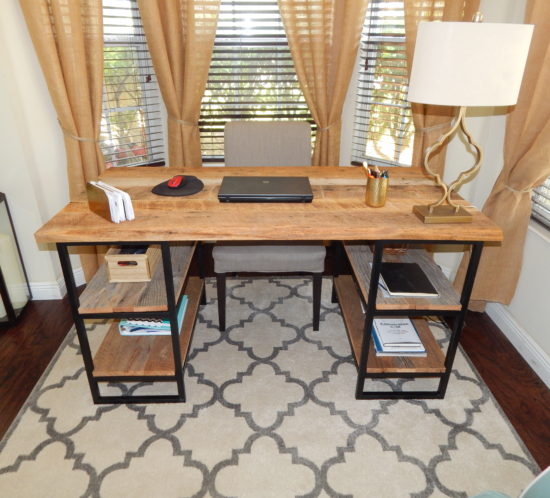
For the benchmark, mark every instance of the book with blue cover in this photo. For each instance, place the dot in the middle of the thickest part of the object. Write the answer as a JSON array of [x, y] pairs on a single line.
[[151, 326], [396, 337]]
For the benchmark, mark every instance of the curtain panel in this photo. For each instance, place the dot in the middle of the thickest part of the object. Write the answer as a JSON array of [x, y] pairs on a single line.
[[180, 35], [68, 39], [526, 165], [324, 37], [431, 121]]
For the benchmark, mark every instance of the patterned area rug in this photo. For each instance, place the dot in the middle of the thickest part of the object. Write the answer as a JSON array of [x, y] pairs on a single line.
[[271, 413]]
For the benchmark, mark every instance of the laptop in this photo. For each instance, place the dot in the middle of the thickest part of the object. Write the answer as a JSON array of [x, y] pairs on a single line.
[[265, 189]]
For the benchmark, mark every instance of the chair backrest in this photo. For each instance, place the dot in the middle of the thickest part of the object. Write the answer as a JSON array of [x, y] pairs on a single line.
[[267, 143], [540, 487]]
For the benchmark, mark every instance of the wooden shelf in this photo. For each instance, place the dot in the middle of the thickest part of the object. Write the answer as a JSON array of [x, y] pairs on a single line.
[[123, 356], [354, 320], [360, 257], [102, 296]]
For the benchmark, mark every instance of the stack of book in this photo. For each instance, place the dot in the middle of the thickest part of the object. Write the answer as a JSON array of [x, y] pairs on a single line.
[[151, 326], [396, 337]]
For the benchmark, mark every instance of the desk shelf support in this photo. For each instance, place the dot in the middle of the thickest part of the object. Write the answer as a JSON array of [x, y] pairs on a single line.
[[74, 302], [371, 311], [170, 314]]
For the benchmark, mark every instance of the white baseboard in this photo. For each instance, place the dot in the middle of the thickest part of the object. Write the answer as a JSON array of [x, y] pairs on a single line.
[[531, 352], [45, 291]]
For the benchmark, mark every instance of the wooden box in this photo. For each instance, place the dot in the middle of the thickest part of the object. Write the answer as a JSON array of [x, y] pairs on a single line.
[[132, 267]]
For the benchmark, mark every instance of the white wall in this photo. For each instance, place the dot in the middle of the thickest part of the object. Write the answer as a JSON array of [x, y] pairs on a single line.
[[525, 320], [33, 164], [33, 176]]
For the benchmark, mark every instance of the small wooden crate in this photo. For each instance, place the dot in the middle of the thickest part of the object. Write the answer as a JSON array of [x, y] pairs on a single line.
[[132, 267]]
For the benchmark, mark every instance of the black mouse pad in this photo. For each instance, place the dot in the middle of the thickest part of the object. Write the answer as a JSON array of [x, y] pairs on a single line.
[[192, 186]]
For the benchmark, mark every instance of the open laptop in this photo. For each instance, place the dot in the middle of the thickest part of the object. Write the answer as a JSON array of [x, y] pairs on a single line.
[[265, 189]]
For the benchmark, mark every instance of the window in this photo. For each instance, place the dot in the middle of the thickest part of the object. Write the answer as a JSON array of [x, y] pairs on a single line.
[[541, 204], [252, 75], [131, 124], [383, 130]]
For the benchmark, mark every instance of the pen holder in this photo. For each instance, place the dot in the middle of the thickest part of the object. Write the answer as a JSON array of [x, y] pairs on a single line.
[[376, 191]]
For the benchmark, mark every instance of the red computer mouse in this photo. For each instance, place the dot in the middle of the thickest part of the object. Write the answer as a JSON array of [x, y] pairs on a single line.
[[177, 181]]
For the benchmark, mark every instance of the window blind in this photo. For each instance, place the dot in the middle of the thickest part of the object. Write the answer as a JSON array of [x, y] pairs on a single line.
[[131, 124], [252, 74], [383, 127], [541, 204]]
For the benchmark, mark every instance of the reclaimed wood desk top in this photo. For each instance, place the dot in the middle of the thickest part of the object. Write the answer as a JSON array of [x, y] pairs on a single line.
[[338, 211]]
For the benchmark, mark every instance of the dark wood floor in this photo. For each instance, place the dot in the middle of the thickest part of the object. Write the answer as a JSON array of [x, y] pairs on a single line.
[[26, 349], [520, 392]]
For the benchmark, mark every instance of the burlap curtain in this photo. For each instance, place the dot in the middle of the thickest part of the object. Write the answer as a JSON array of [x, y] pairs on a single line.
[[324, 38], [68, 39], [431, 121], [180, 35], [526, 165]]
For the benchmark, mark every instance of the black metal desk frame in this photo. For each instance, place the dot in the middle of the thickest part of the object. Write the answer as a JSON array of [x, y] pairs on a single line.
[[371, 312], [170, 314]]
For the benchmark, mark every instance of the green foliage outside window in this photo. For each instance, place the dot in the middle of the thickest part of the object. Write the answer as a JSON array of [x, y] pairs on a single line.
[[390, 117], [123, 126]]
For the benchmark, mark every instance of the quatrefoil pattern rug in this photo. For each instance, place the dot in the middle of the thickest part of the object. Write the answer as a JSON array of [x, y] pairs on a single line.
[[270, 413]]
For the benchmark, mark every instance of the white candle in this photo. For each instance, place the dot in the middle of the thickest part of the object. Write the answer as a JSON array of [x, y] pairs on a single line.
[[12, 272]]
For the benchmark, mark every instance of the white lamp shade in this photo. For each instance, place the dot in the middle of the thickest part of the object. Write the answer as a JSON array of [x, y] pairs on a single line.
[[469, 63]]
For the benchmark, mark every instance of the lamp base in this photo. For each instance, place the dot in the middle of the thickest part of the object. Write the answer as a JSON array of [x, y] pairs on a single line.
[[442, 214]]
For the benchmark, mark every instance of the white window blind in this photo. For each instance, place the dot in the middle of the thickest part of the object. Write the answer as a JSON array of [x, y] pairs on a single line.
[[252, 75], [131, 125], [383, 128], [541, 204]]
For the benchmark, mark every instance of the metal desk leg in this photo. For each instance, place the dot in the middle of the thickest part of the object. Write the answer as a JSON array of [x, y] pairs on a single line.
[[369, 313], [172, 313], [458, 324], [337, 266], [200, 261], [78, 321]]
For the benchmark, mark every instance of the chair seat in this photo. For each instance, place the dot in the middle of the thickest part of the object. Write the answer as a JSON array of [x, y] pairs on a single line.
[[269, 258]]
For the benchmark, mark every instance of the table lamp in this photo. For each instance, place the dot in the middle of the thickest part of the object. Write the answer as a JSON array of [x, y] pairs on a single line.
[[465, 64]]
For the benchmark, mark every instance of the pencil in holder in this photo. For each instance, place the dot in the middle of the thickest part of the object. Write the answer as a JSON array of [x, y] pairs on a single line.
[[376, 191]]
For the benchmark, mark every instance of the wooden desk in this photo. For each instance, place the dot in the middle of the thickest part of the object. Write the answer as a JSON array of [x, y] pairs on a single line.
[[337, 213]]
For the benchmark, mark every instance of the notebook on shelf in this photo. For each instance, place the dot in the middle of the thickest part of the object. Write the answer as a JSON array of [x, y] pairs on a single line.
[[406, 279], [265, 189]]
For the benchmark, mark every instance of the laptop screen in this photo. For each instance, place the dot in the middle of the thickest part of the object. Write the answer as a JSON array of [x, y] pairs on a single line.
[[265, 189]]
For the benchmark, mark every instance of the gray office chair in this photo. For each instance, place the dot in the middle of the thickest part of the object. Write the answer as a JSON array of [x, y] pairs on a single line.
[[538, 488], [256, 143]]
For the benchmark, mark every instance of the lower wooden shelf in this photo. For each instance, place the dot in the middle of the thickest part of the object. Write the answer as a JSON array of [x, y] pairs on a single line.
[[123, 356], [354, 320]]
